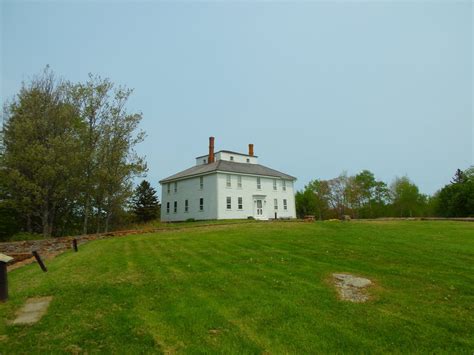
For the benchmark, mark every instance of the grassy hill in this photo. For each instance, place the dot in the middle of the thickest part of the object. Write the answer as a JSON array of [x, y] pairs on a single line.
[[253, 288]]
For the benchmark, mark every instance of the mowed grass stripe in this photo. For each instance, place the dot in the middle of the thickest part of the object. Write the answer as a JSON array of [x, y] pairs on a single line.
[[195, 318]]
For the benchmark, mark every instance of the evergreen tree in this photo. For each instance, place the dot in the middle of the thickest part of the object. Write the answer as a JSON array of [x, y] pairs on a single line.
[[145, 202], [459, 177]]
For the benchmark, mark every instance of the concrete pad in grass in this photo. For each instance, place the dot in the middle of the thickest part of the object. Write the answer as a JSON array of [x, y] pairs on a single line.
[[32, 311]]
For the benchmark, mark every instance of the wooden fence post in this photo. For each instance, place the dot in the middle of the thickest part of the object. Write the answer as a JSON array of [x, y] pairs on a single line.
[[40, 262]]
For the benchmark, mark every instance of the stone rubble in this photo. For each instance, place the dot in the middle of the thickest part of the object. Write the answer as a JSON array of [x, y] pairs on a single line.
[[352, 288]]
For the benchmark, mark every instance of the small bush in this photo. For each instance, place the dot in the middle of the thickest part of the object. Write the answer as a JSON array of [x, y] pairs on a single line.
[[190, 220], [250, 217]]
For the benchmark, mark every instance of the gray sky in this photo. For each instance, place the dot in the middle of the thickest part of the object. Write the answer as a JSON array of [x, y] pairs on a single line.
[[318, 87]]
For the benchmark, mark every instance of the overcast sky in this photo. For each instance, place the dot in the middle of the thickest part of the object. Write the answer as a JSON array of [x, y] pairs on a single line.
[[318, 87]]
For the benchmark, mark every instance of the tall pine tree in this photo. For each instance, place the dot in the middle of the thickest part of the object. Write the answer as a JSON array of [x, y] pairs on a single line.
[[145, 202]]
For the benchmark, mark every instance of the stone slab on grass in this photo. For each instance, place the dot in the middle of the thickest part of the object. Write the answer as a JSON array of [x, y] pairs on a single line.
[[32, 311], [352, 288]]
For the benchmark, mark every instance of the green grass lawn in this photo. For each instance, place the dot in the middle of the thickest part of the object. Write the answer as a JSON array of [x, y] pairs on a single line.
[[254, 288]]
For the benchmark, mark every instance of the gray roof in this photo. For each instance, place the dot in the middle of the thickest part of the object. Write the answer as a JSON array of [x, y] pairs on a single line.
[[228, 166]]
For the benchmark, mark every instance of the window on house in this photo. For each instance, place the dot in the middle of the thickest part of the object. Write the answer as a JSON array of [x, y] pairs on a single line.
[[201, 204], [168, 188], [248, 160], [259, 183], [201, 182], [176, 187], [240, 203], [167, 207], [229, 202], [175, 207], [239, 181], [186, 205], [284, 185], [204, 161], [231, 158], [285, 205], [274, 184], [275, 203], [228, 181]]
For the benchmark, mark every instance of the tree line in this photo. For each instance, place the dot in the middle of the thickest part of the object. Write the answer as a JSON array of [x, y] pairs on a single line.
[[67, 158], [363, 196], [68, 163]]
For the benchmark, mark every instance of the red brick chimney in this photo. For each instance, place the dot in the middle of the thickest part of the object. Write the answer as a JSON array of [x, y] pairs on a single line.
[[210, 159], [251, 150]]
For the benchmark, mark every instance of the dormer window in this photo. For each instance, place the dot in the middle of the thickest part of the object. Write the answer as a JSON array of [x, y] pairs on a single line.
[[204, 161], [248, 160], [231, 158]]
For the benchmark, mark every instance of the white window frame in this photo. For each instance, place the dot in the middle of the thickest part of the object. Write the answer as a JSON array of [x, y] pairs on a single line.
[[228, 203], [201, 204], [274, 184], [201, 182], [168, 185], [175, 207], [167, 208], [239, 181], [175, 187], [285, 204], [186, 206], [259, 183], [275, 204], [283, 185], [228, 180], [240, 203], [231, 158]]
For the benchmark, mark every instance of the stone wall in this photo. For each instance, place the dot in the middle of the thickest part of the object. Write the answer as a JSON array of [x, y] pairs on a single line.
[[22, 250]]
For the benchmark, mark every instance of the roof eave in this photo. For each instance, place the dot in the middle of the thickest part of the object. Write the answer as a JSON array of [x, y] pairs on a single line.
[[288, 177]]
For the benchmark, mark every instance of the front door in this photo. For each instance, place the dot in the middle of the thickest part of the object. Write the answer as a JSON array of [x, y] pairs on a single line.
[[259, 209]]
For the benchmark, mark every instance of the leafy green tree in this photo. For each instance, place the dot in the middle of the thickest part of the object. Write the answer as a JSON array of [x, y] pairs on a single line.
[[406, 198], [457, 198], [9, 221], [67, 154], [373, 195], [305, 203], [338, 195], [320, 193], [145, 203], [380, 200], [119, 164], [40, 150], [109, 160], [91, 101]]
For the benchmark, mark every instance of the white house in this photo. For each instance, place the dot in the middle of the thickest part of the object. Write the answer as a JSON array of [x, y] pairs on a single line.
[[227, 185]]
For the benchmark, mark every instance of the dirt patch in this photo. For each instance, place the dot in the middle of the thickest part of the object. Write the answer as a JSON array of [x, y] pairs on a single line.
[[352, 288]]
